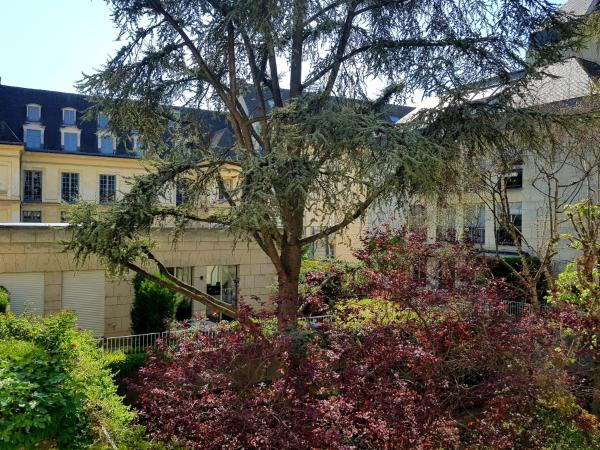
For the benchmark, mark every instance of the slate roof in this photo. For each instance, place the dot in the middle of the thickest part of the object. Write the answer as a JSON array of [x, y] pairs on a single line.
[[7, 136], [13, 101]]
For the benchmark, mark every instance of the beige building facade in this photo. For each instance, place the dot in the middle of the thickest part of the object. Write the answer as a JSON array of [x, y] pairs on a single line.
[[52, 156], [42, 279]]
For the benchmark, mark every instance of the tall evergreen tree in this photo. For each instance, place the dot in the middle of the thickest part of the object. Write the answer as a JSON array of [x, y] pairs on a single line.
[[315, 143]]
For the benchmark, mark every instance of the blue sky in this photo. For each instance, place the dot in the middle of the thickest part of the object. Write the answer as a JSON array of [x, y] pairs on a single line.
[[47, 44]]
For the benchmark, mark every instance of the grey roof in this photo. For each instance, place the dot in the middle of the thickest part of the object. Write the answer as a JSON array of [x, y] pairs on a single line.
[[7, 136], [13, 101], [580, 7]]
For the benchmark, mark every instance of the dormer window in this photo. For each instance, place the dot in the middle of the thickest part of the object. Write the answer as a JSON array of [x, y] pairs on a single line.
[[34, 112], [107, 144], [102, 121], [69, 116], [137, 145], [70, 140], [33, 136]]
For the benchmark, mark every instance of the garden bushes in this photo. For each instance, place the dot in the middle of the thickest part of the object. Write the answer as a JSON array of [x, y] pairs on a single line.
[[55, 389], [4, 299]]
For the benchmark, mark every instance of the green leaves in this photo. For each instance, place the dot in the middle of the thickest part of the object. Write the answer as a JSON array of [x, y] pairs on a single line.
[[55, 388]]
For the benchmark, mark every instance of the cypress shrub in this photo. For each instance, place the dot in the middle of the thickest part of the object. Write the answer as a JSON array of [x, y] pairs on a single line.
[[153, 308]]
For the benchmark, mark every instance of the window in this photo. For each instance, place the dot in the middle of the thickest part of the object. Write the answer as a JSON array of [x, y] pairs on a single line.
[[106, 144], [137, 145], [185, 274], [70, 187], [417, 219], [228, 184], [34, 113], [514, 179], [33, 138], [445, 229], [503, 236], [32, 216], [222, 283], [32, 186], [474, 231], [181, 192], [70, 141], [320, 249], [108, 188], [69, 116], [102, 122]]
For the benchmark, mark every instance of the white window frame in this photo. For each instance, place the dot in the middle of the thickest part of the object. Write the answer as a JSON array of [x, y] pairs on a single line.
[[33, 126], [101, 134], [35, 105], [70, 129], [63, 116], [116, 187]]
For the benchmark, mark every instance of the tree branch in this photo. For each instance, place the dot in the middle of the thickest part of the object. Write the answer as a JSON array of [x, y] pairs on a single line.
[[175, 212], [390, 44], [341, 48], [348, 219], [182, 288]]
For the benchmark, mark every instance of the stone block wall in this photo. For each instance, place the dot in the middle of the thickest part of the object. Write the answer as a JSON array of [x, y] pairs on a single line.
[[33, 248]]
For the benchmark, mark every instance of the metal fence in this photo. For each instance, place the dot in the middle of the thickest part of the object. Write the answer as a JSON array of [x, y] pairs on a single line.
[[141, 342]]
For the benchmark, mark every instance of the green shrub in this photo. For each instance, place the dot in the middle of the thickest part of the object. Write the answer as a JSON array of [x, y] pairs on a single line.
[[123, 364], [55, 388], [153, 308], [4, 299], [358, 313]]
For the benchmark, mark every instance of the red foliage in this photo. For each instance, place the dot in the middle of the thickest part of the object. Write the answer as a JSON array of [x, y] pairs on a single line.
[[454, 371]]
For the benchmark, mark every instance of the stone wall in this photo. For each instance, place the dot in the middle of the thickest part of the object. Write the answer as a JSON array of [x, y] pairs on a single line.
[[30, 248]]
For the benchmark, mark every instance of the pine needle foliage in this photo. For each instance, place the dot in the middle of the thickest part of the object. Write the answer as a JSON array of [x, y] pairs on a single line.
[[314, 142]]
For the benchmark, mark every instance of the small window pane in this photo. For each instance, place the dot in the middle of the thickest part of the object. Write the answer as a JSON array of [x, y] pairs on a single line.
[[221, 283], [474, 232], [33, 113], [70, 142], [108, 188], [32, 216], [503, 235], [69, 116], [32, 186], [106, 145], [182, 192], [70, 187], [33, 139]]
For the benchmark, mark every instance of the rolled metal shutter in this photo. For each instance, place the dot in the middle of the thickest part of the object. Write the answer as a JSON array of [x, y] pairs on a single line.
[[83, 293], [26, 291]]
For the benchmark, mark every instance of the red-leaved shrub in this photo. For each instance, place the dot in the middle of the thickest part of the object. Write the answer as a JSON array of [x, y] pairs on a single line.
[[452, 370]]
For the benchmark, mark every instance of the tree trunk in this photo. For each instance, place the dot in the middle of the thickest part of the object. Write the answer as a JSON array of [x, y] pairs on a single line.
[[596, 389], [535, 303], [287, 312]]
